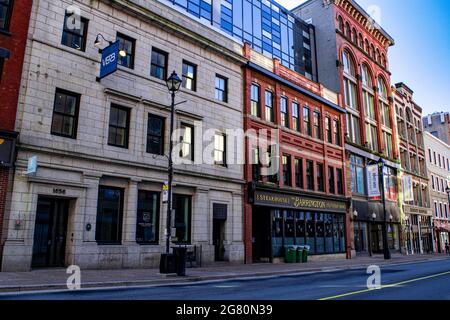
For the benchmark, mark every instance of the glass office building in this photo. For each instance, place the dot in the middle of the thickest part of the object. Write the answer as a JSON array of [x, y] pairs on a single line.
[[266, 25]]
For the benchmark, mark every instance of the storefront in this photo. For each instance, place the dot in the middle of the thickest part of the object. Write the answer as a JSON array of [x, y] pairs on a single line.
[[281, 220], [442, 234]]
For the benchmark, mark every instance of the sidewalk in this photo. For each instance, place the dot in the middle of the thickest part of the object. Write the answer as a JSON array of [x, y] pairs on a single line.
[[55, 279]]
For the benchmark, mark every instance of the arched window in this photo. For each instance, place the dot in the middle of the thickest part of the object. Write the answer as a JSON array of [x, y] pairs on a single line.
[[340, 24], [366, 46], [372, 51], [383, 60], [348, 30], [368, 94], [384, 103], [361, 41], [369, 108], [349, 88], [354, 36], [377, 56]]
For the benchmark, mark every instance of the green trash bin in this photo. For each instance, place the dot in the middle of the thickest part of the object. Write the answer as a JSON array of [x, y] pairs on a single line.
[[299, 254], [305, 255], [290, 255]]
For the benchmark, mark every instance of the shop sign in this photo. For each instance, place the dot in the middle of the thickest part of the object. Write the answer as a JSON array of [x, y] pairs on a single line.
[[110, 60], [297, 202], [373, 188]]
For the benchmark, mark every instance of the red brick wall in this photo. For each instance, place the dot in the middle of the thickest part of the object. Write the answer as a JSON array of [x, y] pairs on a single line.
[[14, 40], [4, 171]]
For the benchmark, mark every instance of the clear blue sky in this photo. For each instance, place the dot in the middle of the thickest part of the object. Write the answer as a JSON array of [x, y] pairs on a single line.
[[421, 55]]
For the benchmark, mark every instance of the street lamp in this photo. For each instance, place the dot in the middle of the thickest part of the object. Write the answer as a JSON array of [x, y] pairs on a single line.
[[173, 84], [387, 253], [98, 43]]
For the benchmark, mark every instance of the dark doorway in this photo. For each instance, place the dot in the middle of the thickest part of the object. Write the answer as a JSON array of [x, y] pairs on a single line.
[[50, 233], [262, 234], [219, 219], [376, 238], [218, 238]]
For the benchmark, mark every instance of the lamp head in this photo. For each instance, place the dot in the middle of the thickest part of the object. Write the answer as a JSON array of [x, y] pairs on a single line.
[[98, 41], [173, 82]]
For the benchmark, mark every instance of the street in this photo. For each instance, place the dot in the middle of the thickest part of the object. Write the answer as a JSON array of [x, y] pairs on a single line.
[[415, 281]]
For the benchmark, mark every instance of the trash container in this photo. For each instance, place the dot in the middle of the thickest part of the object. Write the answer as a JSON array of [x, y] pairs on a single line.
[[290, 255], [305, 255], [167, 264], [300, 254], [180, 260]]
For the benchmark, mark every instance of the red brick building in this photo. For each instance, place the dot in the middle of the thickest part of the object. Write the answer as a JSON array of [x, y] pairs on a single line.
[[353, 60], [302, 201], [14, 22]]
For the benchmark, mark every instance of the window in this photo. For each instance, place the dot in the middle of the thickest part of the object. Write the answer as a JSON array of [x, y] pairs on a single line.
[[387, 144], [187, 142], [5, 13], [221, 92], [357, 172], [74, 38], [353, 129], [189, 76], [328, 130], [109, 215], [127, 44], [255, 101], [284, 112], [317, 125], [295, 116], [65, 114], [384, 105], [320, 184], [220, 149], [155, 135], [119, 122], [371, 135], [158, 67], [183, 211], [390, 184], [337, 132], [147, 221], [309, 175], [436, 213], [306, 121], [299, 173], [331, 188], [269, 106], [256, 165], [339, 181], [349, 81], [287, 171], [367, 92]]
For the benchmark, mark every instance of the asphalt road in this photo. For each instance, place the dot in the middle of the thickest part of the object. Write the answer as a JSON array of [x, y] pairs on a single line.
[[418, 281]]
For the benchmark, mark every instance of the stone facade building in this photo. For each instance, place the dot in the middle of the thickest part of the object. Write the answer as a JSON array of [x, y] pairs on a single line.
[[418, 234], [352, 59], [438, 153], [438, 124], [96, 198], [14, 21]]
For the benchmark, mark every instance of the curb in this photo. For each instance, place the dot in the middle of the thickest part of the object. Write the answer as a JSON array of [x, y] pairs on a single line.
[[194, 279]]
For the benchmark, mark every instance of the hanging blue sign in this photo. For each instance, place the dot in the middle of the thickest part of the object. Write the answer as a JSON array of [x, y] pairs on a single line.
[[110, 60]]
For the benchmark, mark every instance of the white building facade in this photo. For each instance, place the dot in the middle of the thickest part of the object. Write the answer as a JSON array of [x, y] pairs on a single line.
[[96, 198], [438, 153]]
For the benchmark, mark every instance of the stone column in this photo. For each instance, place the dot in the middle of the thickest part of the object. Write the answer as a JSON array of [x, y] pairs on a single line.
[[131, 254]]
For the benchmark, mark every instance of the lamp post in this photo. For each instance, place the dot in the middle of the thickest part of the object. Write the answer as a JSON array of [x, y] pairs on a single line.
[[387, 253], [173, 84]]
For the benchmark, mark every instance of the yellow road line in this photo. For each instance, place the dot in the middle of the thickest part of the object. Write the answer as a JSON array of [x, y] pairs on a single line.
[[385, 287]]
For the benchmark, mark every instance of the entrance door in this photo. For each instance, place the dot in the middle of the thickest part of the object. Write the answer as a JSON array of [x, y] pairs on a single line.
[[218, 239], [376, 238], [50, 233], [262, 234]]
